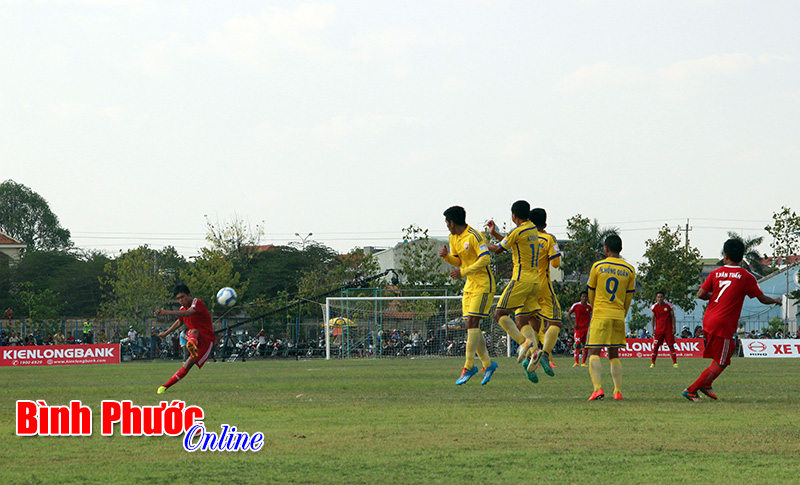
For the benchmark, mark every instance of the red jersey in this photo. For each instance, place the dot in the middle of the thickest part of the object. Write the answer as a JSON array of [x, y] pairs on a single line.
[[200, 320], [663, 314], [728, 286], [583, 314]]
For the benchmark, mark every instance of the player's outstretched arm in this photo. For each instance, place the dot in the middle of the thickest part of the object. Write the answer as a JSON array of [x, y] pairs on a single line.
[[452, 259], [769, 300], [493, 230], [496, 249], [170, 329], [176, 313]]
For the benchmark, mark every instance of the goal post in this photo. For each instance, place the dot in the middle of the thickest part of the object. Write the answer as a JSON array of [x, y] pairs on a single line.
[[402, 326]]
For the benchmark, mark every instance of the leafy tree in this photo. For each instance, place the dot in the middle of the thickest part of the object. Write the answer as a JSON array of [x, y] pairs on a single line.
[[138, 285], [585, 245], [26, 216], [77, 282], [281, 268], [345, 269], [210, 272], [669, 267], [40, 305], [233, 238], [71, 276], [420, 263], [774, 326], [785, 232], [639, 318]]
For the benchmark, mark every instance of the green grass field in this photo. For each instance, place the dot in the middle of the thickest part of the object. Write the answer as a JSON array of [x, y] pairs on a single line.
[[404, 421]]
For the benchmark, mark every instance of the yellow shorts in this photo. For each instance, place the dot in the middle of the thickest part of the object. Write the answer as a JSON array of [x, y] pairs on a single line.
[[476, 303], [606, 332], [520, 296], [550, 310]]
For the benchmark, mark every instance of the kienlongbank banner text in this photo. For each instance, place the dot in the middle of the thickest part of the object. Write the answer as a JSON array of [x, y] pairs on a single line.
[[60, 355]]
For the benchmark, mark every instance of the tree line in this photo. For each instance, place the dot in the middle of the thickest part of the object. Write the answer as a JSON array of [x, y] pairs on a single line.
[[53, 278]]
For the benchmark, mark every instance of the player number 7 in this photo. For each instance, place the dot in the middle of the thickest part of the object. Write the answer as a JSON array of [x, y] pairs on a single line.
[[723, 285]]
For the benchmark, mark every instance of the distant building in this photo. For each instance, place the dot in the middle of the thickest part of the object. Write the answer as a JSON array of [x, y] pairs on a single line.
[[391, 258], [11, 247]]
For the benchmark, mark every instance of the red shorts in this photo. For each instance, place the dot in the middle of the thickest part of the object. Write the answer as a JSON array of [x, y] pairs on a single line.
[[665, 337], [720, 349], [204, 347], [580, 336]]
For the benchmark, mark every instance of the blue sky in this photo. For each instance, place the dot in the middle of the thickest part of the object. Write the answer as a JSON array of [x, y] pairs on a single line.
[[353, 120]]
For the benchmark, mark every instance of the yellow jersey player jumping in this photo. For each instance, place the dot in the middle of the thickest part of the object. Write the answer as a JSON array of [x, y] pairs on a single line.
[[548, 319], [470, 254], [611, 287], [521, 296]]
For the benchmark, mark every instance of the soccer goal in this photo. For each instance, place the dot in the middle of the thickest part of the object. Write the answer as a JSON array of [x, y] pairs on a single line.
[[397, 326]]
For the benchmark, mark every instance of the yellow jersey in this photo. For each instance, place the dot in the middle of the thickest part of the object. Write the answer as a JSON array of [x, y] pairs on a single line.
[[523, 242], [612, 280], [469, 252], [549, 254]]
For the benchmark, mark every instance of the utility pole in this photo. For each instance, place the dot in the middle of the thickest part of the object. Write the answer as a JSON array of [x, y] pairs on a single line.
[[686, 230]]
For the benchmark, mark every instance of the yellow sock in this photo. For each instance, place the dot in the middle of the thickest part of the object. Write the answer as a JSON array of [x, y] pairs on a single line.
[[529, 334], [595, 369], [616, 374], [473, 335], [511, 329], [550, 339], [483, 352]]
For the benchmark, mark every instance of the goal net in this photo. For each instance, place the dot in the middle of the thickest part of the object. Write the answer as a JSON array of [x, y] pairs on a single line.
[[388, 326]]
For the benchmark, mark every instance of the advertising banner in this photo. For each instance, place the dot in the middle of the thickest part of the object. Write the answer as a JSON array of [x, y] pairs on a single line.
[[60, 355], [643, 348], [771, 348]]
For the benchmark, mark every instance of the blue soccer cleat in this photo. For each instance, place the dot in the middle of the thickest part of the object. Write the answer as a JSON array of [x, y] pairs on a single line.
[[488, 372], [545, 362], [466, 374], [692, 396], [531, 375]]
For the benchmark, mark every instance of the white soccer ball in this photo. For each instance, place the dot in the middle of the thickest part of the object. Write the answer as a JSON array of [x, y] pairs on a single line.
[[226, 296]]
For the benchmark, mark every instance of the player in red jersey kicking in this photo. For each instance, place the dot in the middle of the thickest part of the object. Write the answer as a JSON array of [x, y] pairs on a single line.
[[580, 314], [725, 289], [663, 321], [200, 337]]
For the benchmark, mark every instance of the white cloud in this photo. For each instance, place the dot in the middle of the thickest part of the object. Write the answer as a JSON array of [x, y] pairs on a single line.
[[252, 39], [340, 128], [706, 66], [72, 113], [158, 56], [602, 74], [772, 58], [401, 42]]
